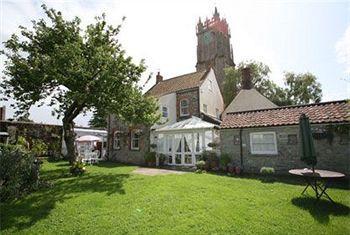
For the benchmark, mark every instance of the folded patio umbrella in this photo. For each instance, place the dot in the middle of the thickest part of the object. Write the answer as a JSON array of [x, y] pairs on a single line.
[[308, 154]]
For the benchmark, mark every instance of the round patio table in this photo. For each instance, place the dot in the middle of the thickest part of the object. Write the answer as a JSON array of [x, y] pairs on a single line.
[[319, 180]]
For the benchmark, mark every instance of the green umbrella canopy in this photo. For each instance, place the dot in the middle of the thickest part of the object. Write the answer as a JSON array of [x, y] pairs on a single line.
[[308, 154]]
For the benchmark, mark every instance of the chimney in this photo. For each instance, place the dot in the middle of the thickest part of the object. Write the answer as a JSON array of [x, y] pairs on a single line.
[[159, 78], [247, 82]]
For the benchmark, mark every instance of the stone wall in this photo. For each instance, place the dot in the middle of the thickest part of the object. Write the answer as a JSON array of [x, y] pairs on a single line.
[[193, 98], [125, 154], [331, 154]]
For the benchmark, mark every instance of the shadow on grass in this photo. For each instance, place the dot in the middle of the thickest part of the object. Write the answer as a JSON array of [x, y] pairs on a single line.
[[321, 209], [24, 213], [108, 164], [288, 179]]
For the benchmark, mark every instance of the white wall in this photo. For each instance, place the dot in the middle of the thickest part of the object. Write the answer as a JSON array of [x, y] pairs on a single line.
[[169, 101], [212, 98]]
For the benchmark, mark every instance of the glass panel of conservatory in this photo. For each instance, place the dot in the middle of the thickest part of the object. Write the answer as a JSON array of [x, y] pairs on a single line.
[[197, 158], [170, 159], [188, 142], [168, 143], [188, 158], [160, 145], [178, 147], [177, 158], [208, 139], [198, 142]]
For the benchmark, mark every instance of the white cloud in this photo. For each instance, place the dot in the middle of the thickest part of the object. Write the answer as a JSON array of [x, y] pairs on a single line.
[[343, 49]]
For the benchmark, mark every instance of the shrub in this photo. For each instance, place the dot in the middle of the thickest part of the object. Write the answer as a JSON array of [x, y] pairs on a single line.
[[225, 159], [162, 158], [55, 157], [267, 170], [19, 172], [200, 165], [150, 157], [211, 158], [39, 148], [78, 168]]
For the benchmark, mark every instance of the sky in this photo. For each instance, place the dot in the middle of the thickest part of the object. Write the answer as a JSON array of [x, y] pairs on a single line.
[[297, 36]]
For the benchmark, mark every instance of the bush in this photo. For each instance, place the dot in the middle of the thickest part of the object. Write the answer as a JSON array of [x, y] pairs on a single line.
[[39, 148], [225, 159], [211, 159], [150, 158], [19, 172], [267, 170], [78, 168], [162, 158], [54, 157], [200, 165]]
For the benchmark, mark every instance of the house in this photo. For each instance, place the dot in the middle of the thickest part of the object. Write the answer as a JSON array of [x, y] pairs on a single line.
[[270, 137], [190, 106]]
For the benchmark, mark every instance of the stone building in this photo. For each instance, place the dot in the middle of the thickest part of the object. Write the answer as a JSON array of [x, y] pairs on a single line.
[[213, 47], [270, 137], [190, 106]]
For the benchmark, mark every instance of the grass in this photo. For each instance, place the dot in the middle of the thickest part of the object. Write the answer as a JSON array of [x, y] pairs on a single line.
[[111, 199]]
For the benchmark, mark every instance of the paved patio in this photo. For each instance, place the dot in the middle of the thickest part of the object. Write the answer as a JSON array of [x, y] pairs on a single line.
[[156, 171]]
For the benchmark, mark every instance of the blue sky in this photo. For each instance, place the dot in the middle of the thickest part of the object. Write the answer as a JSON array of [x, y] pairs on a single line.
[[298, 36]]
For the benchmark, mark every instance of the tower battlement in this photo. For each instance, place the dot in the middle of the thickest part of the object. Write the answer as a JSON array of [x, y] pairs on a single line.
[[214, 24]]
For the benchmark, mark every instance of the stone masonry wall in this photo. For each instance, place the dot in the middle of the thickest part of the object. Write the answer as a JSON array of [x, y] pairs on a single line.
[[125, 154], [334, 155], [193, 98]]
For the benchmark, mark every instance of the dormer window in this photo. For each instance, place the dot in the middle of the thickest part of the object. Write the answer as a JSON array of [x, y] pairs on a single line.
[[164, 112], [184, 110]]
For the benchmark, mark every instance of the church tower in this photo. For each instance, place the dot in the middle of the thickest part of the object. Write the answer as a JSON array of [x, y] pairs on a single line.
[[213, 47]]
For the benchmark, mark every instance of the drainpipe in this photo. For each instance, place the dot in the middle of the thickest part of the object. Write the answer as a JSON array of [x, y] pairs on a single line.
[[241, 146]]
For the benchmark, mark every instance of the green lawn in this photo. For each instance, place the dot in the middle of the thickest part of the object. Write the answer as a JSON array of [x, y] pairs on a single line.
[[110, 199]]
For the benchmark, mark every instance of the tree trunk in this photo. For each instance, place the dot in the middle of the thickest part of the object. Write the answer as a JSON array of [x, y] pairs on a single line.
[[69, 138]]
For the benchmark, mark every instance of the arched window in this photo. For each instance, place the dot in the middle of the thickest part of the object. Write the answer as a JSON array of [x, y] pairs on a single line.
[[184, 107]]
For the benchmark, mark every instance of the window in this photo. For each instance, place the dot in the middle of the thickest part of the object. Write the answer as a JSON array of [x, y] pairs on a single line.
[[263, 143], [116, 143], [135, 139], [210, 85], [205, 108], [217, 113], [164, 111], [184, 111]]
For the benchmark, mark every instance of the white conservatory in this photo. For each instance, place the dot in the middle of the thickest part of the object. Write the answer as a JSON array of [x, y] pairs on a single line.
[[183, 142]]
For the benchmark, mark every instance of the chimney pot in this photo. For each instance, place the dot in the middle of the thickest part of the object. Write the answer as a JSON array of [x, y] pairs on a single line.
[[159, 78], [247, 82]]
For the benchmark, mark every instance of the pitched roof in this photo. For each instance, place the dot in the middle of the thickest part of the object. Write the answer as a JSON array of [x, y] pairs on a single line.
[[183, 82], [188, 124], [249, 100], [327, 112]]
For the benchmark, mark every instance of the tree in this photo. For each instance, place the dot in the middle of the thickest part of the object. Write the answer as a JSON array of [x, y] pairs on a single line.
[[99, 119], [302, 88], [299, 89], [76, 71]]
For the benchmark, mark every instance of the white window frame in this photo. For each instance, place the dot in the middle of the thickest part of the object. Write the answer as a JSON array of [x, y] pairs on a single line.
[[205, 108], [116, 140], [274, 152], [182, 114], [165, 111], [133, 138]]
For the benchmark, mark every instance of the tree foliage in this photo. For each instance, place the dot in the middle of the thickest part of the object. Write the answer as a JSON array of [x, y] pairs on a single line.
[[99, 119], [76, 70], [299, 88]]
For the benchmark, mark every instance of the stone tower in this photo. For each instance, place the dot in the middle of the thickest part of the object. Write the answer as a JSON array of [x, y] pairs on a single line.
[[213, 47]]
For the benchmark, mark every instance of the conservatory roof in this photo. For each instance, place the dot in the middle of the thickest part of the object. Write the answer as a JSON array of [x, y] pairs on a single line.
[[188, 124]]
